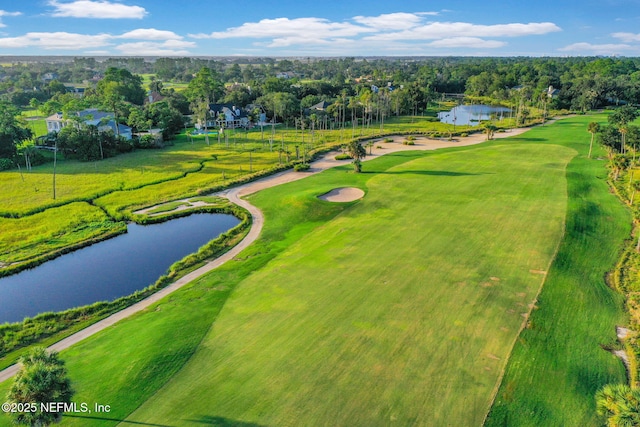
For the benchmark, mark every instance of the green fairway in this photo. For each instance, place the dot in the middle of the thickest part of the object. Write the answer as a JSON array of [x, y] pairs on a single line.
[[403, 309], [558, 363]]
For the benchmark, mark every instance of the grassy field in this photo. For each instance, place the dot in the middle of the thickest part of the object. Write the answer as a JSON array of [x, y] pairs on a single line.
[[558, 364], [339, 311], [398, 309]]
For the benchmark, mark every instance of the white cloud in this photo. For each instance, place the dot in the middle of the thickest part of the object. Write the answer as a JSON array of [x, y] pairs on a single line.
[[393, 21], [58, 40], [306, 28], [466, 42], [156, 42], [405, 29], [99, 9], [627, 37], [5, 13], [443, 30], [597, 49], [150, 34], [167, 48]]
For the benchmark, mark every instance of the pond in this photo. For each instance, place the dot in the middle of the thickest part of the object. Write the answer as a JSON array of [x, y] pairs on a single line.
[[472, 114], [109, 269]]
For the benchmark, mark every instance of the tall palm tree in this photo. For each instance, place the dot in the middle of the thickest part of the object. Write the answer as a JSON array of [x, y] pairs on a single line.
[[623, 132], [357, 153], [592, 128], [41, 379]]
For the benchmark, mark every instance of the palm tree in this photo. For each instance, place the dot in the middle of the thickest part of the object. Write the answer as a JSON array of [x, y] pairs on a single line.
[[620, 404], [619, 162], [623, 132], [592, 128], [489, 129], [370, 145], [41, 379], [357, 153]]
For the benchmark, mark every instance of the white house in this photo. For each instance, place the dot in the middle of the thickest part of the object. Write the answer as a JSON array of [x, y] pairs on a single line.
[[233, 117], [102, 119], [552, 92]]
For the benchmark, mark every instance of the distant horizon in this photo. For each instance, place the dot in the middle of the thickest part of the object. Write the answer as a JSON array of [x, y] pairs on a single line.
[[306, 57], [304, 28]]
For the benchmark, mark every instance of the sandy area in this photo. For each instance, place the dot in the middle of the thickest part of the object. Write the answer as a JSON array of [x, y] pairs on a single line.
[[341, 195]]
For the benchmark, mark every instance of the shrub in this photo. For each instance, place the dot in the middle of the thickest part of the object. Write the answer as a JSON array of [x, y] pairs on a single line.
[[301, 167], [408, 142], [388, 140], [6, 164], [343, 157]]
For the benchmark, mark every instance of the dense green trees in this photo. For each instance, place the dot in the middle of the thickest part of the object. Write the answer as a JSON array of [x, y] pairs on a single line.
[[12, 133], [204, 89], [280, 105], [87, 143], [123, 84]]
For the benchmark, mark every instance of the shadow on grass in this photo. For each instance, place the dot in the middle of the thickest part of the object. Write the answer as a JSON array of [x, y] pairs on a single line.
[[222, 422], [87, 417], [525, 139], [430, 173]]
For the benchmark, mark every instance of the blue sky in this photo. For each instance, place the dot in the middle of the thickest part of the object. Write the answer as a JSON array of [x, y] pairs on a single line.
[[320, 27]]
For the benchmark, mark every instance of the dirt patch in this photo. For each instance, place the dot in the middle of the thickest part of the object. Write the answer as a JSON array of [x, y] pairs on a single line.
[[341, 195]]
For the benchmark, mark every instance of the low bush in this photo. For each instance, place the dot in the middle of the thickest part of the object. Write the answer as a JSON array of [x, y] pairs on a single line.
[[6, 164], [343, 157], [301, 167]]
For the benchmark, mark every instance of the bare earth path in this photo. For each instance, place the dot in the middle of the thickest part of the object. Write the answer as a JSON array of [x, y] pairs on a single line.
[[234, 195]]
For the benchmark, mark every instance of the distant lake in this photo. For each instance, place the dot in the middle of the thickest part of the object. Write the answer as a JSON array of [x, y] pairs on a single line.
[[472, 114], [109, 269]]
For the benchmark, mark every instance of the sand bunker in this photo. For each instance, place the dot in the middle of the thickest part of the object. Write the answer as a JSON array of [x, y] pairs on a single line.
[[345, 194]]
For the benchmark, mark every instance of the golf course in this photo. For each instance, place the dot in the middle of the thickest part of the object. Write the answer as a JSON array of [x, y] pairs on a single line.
[[466, 287]]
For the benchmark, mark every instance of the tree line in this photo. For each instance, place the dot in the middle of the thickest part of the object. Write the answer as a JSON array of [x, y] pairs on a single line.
[[355, 90]]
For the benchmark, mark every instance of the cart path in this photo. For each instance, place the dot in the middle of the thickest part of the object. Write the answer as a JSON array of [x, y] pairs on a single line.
[[234, 195]]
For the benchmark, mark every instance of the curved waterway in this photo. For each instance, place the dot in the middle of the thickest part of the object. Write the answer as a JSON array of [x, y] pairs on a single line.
[[109, 269]]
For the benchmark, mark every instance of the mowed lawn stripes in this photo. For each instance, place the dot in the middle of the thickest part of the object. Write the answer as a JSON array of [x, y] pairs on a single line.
[[402, 310]]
